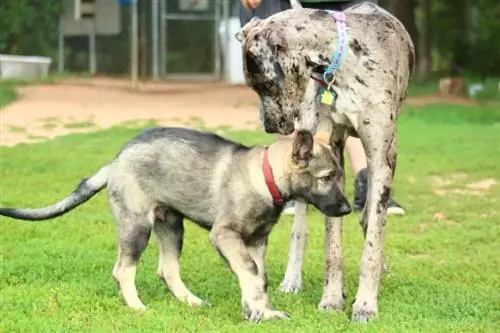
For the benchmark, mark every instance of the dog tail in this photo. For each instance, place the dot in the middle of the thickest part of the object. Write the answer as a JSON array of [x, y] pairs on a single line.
[[87, 188], [295, 4]]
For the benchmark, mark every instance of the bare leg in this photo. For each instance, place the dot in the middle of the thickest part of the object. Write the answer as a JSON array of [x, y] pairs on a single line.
[[169, 233], [356, 153]]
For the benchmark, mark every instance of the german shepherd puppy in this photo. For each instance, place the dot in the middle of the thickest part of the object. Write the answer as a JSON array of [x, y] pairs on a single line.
[[167, 174]]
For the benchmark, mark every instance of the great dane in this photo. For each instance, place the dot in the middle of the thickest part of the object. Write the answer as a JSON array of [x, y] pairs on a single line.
[[281, 54]]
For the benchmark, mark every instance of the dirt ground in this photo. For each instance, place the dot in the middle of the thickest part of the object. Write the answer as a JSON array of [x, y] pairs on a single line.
[[80, 105]]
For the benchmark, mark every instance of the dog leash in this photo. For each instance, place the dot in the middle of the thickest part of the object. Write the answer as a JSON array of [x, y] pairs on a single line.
[[328, 78]]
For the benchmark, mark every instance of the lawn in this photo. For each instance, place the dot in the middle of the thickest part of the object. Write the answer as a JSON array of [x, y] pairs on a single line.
[[444, 255]]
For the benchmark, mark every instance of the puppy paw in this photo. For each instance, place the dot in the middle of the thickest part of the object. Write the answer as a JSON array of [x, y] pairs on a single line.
[[291, 286], [258, 315]]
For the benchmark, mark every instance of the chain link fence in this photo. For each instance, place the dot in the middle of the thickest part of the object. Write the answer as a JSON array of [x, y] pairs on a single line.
[[175, 38]]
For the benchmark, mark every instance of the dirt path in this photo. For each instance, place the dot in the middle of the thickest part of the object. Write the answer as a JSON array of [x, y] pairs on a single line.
[[81, 105]]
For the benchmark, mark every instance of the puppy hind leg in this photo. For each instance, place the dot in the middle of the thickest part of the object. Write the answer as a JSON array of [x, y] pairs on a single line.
[[169, 232], [134, 231]]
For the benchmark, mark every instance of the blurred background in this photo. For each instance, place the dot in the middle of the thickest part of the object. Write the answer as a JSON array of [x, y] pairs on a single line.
[[160, 39]]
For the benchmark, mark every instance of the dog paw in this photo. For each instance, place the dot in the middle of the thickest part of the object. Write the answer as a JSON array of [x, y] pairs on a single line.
[[137, 306], [329, 306], [332, 303], [291, 286], [257, 316], [364, 311]]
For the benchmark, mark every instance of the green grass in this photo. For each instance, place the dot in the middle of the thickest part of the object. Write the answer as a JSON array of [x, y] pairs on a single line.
[[445, 277], [7, 95]]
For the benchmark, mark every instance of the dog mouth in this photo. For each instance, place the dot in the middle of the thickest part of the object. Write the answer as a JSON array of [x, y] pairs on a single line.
[[282, 127]]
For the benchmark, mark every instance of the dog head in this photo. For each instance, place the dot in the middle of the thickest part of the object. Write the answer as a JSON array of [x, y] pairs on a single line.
[[314, 175], [278, 70]]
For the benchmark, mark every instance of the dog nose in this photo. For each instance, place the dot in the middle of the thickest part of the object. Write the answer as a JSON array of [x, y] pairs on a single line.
[[270, 127]]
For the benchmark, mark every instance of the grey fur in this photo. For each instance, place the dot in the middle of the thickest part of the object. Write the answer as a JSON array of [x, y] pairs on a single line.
[[280, 55], [167, 174]]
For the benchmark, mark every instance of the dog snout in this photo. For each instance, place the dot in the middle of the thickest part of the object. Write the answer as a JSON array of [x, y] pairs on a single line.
[[270, 127], [344, 208]]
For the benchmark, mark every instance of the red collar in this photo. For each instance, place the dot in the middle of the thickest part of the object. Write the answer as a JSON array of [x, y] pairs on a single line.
[[269, 178]]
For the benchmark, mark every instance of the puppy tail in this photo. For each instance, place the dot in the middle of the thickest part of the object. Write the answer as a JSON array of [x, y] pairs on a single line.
[[295, 4], [87, 188]]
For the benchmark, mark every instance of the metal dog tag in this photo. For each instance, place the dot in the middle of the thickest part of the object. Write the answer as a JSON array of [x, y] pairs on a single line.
[[327, 97]]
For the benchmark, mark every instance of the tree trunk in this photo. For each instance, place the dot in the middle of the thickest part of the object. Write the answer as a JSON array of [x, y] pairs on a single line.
[[404, 11], [424, 47]]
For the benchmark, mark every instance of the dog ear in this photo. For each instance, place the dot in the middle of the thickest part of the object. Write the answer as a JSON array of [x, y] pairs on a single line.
[[243, 33], [302, 151], [275, 40]]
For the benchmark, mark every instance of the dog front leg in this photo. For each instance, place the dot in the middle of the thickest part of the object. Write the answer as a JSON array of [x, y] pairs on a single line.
[[333, 295], [292, 282], [381, 167], [254, 298]]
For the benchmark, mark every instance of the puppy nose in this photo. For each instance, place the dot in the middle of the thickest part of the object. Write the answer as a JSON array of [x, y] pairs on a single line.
[[345, 208]]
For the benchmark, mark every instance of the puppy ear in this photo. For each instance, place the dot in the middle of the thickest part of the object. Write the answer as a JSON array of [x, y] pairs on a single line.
[[245, 30], [302, 150]]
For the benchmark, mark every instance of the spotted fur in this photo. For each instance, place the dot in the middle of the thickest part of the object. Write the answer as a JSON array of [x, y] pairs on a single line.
[[280, 55]]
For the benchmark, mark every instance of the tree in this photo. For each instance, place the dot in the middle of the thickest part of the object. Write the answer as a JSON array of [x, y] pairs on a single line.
[[424, 46], [404, 10]]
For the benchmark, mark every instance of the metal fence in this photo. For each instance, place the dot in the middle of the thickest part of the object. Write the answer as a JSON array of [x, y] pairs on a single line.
[[146, 38]]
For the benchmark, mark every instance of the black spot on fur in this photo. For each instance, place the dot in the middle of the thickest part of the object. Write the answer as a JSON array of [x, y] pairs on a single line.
[[252, 266], [319, 14], [411, 59], [384, 198], [251, 65], [360, 80], [299, 28], [246, 309], [391, 117], [388, 92], [368, 66], [358, 49], [370, 244], [280, 75]]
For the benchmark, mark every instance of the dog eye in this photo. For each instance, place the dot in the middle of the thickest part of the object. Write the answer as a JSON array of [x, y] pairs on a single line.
[[327, 178]]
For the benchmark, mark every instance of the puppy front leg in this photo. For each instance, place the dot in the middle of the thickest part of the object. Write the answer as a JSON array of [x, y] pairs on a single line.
[[254, 297]]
